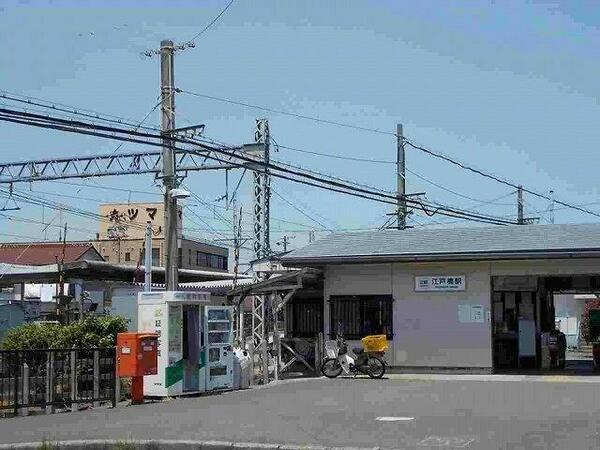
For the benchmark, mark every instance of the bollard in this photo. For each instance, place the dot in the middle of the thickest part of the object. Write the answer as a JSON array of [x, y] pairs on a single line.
[[73, 381], [49, 383], [25, 395], [96, 403]]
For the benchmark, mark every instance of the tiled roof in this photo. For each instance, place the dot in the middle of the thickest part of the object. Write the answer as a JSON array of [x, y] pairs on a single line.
[[453, 243], [37, 254]]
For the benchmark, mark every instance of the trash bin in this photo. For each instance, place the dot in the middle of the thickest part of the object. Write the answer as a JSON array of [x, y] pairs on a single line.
[[241, 369]]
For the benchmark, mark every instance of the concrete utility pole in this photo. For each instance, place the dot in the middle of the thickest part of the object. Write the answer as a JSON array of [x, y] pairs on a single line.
[[552, 207], [167, 92], [148, 258], [520, 219], [401, 180]]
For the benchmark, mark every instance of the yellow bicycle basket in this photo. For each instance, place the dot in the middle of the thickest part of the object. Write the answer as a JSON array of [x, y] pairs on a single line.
[[375, 343]]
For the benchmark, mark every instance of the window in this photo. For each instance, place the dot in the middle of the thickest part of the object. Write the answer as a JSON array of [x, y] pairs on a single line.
[[209, 260], [179, 258], [201, 259], [357, 316], [304, 317], [155, 256], [127, 256]]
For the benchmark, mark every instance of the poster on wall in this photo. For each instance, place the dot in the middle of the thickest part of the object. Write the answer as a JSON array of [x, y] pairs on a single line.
[[440, 283], [470, 313]]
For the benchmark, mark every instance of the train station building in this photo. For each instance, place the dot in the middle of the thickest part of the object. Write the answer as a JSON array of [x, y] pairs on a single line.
[[479, 298]]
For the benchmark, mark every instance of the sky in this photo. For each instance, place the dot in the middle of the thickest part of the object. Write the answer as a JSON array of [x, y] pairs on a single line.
[[509, 87]]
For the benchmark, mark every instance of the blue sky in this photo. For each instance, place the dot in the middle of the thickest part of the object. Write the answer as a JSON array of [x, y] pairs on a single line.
[[507, 86]]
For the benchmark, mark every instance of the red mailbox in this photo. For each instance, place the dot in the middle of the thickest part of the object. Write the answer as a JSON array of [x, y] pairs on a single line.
[[137, 355]]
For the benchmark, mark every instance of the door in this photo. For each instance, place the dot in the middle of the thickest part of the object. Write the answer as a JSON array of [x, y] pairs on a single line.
[[191, 347], [218, 341]]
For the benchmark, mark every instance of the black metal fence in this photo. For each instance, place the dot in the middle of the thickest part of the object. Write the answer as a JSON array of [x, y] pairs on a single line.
[[56, 378]]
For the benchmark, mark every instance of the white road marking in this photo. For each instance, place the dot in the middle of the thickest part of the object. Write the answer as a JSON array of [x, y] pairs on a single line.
[[394, 419]]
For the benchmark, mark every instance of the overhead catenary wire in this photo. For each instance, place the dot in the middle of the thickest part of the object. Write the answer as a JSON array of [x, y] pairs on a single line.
[[134, 191], [46, 118], [373, 130], [101, 131], [305, 214]]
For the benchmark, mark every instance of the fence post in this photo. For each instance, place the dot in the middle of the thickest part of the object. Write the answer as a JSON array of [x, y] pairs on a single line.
[[96, 378], [16, 363], [117, 387], [49, 382], [73, 381], [25, 395]]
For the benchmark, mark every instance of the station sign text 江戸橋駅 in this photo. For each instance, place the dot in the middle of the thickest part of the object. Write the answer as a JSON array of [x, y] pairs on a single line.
[[440, 283]]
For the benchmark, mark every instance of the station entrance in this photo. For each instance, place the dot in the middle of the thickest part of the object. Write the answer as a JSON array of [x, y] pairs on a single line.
[[527, 333]]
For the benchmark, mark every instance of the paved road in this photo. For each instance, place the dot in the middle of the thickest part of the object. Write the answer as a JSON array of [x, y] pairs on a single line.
[[435, 413]]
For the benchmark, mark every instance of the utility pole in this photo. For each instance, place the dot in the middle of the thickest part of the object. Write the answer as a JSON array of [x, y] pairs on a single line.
[[148, 258], [401, 180], [552, 207], [520, 219], [167, 93], [285, 241]]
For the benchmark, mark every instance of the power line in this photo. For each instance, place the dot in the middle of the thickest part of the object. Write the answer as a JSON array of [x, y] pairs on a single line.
[[61, 107], [112, 188], [496, 178], [329, 155], [346, 125], [305, 214], [190, 43], [97, 130], [285, 113]]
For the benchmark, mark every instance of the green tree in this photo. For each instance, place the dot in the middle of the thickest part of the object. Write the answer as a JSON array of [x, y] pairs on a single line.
[[91, 332]]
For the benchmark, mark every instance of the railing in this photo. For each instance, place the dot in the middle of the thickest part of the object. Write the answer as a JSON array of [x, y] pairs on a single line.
[[56, 378]]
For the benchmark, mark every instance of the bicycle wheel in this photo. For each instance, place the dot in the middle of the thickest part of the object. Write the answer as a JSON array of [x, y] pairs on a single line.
[[331, 368], [375, 367]]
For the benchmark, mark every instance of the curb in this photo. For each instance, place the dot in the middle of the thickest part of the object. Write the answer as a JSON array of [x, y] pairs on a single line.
[[116, 444]]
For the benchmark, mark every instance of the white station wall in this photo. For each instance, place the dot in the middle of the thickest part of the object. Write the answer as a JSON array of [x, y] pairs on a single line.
[[427, 331]]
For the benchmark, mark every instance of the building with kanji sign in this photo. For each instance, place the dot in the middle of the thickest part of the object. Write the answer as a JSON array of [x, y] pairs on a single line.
[[120, 238], [479, 298]]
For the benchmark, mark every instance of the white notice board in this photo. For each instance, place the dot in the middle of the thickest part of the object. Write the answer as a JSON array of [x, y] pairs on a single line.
[[471, 313]]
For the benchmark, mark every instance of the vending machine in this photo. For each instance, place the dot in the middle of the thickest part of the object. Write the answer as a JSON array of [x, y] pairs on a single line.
[[219, 339], [195, 341]]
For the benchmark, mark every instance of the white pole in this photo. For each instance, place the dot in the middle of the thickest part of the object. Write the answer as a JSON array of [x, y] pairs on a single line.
[[148, 259]]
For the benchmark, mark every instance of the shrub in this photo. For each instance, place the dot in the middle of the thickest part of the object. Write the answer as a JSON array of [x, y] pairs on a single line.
[[584, 326], [91, 332]]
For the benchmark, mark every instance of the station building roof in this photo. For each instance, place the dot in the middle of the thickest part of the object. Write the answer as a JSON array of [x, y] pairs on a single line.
[[467, 243]]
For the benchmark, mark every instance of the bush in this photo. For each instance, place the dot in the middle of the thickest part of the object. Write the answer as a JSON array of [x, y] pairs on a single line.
[[584, 325], [91, 332]]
